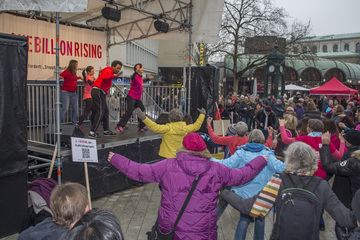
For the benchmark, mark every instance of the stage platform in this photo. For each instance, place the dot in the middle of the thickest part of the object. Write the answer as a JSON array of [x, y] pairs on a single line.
[[142, 147]]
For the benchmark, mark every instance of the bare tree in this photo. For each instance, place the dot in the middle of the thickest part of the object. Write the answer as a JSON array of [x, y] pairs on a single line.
[[248, 18]]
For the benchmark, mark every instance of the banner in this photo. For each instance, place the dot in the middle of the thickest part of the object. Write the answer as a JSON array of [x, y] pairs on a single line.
[[86, 46]]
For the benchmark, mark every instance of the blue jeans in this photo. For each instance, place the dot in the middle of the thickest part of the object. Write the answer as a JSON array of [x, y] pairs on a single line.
[[243, 225], [247, 121], [66, 99]]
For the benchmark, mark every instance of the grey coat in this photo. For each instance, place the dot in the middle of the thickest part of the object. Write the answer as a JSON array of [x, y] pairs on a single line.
[[323, 192]]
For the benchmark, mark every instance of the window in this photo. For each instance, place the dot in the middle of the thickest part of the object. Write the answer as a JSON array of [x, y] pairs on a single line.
[[324, 48], [346, 47], [357, 48], [335, 48], [314, 49], [305, 49]]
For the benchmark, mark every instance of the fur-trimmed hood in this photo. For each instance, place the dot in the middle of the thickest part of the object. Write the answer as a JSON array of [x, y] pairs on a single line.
[[193, 163], [205, 153], [356, 154]]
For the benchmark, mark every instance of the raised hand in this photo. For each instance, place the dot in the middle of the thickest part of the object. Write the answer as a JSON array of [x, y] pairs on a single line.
[[111, 154], [209, 120], [325, 138], [202, 111], [140, 113]]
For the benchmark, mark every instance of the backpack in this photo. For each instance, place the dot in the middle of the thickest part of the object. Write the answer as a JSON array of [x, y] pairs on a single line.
[[298, 210]]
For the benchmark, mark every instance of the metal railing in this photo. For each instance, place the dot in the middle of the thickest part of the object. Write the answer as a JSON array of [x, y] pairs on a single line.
[[41, 107]]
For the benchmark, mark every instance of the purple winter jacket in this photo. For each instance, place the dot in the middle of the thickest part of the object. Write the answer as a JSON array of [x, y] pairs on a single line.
[[176, 175]]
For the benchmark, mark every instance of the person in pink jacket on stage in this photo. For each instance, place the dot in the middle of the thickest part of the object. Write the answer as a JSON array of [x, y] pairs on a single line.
[[176, 175], [133, 98]]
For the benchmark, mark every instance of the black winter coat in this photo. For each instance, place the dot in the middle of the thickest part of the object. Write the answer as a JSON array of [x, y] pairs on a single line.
[[278, 109], [260, 118], [347, 172], [246, 113]]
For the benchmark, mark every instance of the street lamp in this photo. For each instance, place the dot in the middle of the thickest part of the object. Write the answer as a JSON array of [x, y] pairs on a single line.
[[275, 71]]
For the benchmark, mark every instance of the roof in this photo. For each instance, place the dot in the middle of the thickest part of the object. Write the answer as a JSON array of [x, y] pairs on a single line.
[[299, 63], [337, 54], [331, 37], [334, 86], [137, 17]]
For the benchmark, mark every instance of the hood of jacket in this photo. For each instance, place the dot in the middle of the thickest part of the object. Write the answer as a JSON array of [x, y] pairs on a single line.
[[193, 163], [312, 114], [356, 154]]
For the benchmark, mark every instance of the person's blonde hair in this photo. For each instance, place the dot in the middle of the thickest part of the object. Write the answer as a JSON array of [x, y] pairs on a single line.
[[68, 203], [292, 121]]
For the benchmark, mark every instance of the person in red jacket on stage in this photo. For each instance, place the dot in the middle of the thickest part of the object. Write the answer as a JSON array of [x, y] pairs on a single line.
[[68, 91], [99, 91], [134, 98]]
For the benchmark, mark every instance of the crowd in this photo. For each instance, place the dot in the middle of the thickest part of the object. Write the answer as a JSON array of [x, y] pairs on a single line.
[[279, 152]]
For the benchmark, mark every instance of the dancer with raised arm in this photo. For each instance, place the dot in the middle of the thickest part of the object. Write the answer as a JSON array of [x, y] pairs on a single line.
[[134, 98]]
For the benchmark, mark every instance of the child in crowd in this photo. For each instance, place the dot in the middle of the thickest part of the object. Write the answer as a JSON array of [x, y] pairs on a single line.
[[68, 203], [88, 82]]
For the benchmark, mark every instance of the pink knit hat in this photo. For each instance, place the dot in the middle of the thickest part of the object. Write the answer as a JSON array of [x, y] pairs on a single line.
[[194, 142]]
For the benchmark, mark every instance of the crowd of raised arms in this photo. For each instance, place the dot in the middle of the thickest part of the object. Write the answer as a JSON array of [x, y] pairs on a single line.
[[279, 155]]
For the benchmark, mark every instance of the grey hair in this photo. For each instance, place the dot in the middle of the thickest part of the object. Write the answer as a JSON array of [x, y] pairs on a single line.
[[241, 128], [256, 136], [300, 157], [175, 115]]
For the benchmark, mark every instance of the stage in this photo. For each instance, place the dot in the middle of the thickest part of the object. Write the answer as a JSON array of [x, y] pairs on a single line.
[[138, 146]]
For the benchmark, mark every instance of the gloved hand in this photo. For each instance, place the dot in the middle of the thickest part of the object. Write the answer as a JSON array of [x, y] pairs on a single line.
[[202, 111], [140, 113]]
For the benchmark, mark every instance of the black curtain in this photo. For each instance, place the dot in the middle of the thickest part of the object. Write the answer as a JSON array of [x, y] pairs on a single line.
[[13, 132], [204, 91]]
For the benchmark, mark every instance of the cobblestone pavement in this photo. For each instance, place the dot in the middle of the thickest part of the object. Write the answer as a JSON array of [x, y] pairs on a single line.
[[137, 210]]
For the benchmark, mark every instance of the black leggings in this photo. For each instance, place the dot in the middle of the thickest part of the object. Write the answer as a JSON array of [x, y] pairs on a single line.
[[131, 104], [88, 106], [100, 110]]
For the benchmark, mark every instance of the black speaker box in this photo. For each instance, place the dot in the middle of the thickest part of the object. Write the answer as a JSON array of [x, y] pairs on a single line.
[[67, 131], [161, 26], [111, 14], [163, 118]]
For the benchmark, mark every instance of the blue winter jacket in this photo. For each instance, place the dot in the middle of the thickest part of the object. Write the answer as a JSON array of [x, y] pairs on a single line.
[[244, 155]]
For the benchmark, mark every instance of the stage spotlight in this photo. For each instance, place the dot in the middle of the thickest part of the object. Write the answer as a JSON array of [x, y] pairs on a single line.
[[161, 26], [111, 13]]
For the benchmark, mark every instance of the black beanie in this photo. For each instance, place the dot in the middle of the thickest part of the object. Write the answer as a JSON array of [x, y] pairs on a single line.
[[353, 137]]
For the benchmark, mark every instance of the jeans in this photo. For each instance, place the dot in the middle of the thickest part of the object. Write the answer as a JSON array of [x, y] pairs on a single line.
[[66, 99], [247, 121], [243, 225]]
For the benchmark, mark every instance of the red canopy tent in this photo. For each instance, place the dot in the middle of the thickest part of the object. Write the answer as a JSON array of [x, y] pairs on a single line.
[[333, 87]]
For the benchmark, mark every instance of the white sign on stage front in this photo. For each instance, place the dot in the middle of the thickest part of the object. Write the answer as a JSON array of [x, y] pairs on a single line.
[[84, 150]]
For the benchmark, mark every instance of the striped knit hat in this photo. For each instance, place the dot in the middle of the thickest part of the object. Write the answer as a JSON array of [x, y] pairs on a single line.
[[231, 130]]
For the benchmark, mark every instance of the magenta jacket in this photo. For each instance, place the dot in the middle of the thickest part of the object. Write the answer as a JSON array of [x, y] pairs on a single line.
[[176, 175], [137, 86]]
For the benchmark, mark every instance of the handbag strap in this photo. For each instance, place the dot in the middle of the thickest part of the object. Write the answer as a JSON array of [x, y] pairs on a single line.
[[196, 181]]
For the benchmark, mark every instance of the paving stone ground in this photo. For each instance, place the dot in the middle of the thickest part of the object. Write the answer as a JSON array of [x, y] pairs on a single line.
[[137, 210]]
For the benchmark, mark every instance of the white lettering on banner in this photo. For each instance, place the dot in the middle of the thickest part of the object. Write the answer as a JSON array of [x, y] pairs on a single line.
[[86, 46]]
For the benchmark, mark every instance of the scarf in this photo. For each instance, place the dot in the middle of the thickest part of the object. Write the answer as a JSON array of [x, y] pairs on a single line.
[[315, 134], [267, 196]]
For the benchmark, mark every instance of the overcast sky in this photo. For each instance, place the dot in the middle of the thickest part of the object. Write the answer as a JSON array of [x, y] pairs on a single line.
[[326, 16]]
